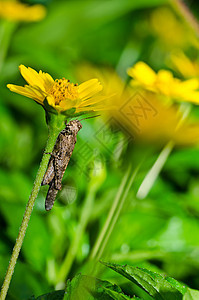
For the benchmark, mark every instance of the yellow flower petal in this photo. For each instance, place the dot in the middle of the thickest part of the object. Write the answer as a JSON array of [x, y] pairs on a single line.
[[67, 104], [16, 11], [89, 88], [27, 92], [165, 84], [191, 97], [184, 65], [190, 84], [92, 101], [39, 95], [164, 76], [48, 81], [143, 73], [32, 77], [50, 100]]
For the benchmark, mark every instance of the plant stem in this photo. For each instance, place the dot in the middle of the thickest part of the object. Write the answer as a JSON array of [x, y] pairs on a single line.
[[157, 167], [117, 213], [109, 217], [19, 241], [154, 172], [114, 214]]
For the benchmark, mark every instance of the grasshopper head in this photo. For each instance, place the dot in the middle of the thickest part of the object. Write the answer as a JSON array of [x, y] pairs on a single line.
[[75, 125]]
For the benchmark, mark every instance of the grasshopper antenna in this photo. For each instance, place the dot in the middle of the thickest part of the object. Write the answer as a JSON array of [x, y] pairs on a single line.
[[90, 117]]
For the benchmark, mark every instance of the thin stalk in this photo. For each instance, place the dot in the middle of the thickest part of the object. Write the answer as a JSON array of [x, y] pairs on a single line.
[[157, 167], [19, 241], [117, 213], [110, 216], [154, 172]]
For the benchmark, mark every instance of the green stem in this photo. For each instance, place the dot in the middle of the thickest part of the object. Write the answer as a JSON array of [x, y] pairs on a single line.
[[110, 216], [117, 214], [157, 167], [154, 172], [114, 214], [53, 133]]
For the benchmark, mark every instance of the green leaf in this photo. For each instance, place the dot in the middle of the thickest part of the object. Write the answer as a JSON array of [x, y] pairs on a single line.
[[191, 295], [114, 295], [176, 284], [159, 287], [89, 288], [56, 295], [69, 113]]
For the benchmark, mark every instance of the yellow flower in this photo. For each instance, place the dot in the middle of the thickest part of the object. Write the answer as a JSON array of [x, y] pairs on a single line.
[[164, 83], [171, 30], [152, 121], [141, 115], [59, 94], [16, 11], [184, 64]]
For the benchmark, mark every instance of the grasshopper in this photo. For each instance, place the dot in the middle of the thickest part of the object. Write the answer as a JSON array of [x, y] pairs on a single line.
[[59, 160]]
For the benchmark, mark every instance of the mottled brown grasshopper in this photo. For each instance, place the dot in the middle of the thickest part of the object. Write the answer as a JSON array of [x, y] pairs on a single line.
[[59, 160]]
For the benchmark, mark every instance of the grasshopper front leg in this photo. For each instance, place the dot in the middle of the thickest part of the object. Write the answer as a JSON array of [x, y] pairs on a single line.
[[50, 173]]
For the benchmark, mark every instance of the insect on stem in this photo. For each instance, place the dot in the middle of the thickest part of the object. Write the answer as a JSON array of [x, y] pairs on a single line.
[[59, 160]]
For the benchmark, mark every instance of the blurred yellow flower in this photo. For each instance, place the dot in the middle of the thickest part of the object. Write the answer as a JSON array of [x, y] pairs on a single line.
[[171, 30], [141, 114], [60, 93], [151, 121], [185, 66], [164, 83], [16, 11]]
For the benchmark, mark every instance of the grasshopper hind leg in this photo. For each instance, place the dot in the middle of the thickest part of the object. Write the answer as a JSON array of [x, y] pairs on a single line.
[[51, 195]]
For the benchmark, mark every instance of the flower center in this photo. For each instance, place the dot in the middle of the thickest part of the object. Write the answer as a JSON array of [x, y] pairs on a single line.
[[63, 89]]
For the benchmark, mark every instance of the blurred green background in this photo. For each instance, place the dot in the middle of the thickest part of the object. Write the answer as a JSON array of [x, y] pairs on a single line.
[[160, 232]]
